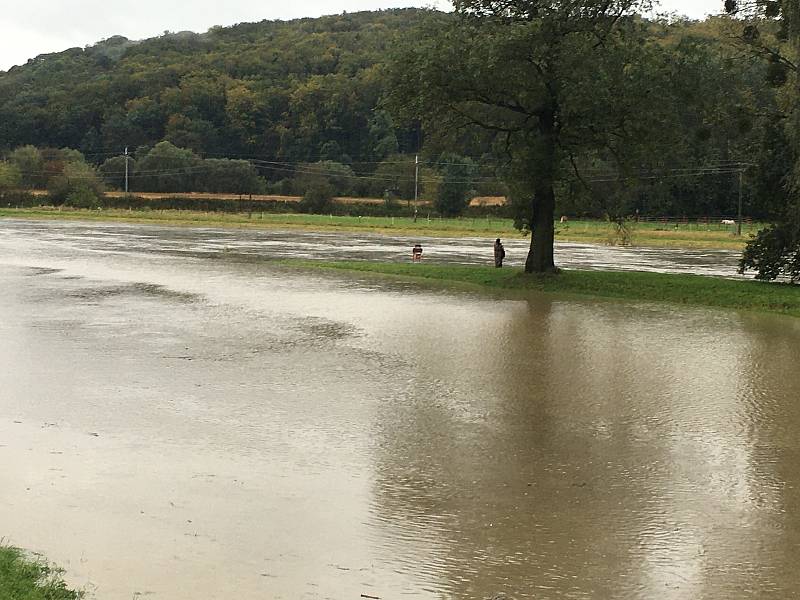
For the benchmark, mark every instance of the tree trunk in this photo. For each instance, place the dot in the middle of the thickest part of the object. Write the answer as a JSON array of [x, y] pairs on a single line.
[[540, 257]]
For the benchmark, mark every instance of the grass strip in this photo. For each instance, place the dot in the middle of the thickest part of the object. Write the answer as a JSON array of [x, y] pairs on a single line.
[[23, 578], [696, 290]]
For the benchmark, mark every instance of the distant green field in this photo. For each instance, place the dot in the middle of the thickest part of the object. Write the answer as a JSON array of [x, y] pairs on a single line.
[[690, 234], [423, 226], [686, 235], [636, 286]]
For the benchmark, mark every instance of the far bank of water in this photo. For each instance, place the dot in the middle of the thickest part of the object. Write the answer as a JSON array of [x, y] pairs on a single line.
[[694, 235]]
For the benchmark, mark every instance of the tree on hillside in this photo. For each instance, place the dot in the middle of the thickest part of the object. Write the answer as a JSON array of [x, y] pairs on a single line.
[[382, 136], [198, 135], [771, 28], [549, 77], [775, 251]]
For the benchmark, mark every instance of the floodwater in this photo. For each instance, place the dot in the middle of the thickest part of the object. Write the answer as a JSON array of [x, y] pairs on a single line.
[[179, 423], [111, 237]]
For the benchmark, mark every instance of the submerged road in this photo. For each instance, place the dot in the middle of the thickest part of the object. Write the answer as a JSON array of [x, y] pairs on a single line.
[[178, 423]]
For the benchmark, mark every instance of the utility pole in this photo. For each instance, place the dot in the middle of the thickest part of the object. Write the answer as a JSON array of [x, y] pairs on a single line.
[[739, 220], [416, 178], [126, 169]]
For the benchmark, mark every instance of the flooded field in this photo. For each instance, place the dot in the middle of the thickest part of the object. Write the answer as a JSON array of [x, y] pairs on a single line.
[[181, 418], [202, 242]]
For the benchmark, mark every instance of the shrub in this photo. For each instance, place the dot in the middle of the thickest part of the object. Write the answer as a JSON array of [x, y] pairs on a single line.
[[82, 196], [318, 198], [773, 252]]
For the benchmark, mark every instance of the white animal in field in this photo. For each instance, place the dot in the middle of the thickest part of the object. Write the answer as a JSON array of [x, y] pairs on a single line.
[[563, 219], [728, 222]]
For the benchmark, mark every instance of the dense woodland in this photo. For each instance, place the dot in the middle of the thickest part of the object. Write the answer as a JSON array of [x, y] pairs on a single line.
[[288, 95], [321, 107]]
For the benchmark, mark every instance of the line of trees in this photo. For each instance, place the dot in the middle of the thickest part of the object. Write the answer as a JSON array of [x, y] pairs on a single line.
[[70, 179], [447, 183], [66, 175]]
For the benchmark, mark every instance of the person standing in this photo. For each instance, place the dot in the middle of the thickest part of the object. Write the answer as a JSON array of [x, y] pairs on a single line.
[[499, 253]]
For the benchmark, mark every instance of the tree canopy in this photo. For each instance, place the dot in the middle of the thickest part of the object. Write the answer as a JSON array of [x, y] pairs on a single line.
[[558, 87], [770, 29]]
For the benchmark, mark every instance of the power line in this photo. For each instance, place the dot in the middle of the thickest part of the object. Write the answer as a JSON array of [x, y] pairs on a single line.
[[593, 175]]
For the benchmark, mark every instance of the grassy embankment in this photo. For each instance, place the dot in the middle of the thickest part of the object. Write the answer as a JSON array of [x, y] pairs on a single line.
[[630, 286], [22, 578], [690, 235]]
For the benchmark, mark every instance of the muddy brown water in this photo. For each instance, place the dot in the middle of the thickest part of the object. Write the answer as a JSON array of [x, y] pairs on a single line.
[[177, 425], [211, 243]]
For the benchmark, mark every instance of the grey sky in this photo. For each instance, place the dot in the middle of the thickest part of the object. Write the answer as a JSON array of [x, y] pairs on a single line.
[[32, 27]]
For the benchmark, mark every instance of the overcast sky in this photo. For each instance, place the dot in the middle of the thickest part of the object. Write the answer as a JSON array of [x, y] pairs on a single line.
[[32, 27]]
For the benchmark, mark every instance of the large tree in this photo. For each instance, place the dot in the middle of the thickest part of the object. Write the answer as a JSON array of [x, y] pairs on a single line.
[[771, 29], [553, 80]]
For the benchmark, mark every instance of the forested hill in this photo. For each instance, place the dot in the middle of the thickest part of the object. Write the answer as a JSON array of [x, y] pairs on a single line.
[[303, 100], [303, 90]]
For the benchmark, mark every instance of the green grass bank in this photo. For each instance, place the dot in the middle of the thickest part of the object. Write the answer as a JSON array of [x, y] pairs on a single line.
[[652, 234], [630, 286], [23, 578]]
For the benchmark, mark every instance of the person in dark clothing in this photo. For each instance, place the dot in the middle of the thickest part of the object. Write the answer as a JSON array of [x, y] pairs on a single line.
[[499, 253], [416, 252]]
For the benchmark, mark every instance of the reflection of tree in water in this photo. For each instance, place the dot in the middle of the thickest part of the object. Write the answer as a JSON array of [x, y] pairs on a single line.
[[574, 458], [771, 392]]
